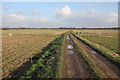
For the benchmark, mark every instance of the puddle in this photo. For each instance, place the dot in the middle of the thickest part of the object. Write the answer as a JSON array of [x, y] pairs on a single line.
[[70, 47], [68, 38], [93, 52], [70, 52]]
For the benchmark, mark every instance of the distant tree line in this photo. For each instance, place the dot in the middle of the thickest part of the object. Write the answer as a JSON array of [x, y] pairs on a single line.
[[6, 28], [88, 28]]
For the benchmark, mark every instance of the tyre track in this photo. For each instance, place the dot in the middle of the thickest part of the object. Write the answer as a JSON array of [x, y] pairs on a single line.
[[75, 66]]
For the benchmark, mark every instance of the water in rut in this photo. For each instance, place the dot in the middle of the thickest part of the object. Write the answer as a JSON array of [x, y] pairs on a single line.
[[94, 52], [70, 47], [70, 52]]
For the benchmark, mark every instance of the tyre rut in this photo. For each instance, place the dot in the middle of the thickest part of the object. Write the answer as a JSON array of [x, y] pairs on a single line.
[[75, 66]]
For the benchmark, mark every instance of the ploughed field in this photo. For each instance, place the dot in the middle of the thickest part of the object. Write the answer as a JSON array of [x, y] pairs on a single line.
[[20, 45], [57, 53]]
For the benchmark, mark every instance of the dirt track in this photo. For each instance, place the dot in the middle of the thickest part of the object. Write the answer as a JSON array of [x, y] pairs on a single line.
[[110, 70], [74, 66]]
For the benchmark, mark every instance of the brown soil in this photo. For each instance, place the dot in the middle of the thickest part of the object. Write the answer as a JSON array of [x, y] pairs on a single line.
[[74, 66], [103, 63]]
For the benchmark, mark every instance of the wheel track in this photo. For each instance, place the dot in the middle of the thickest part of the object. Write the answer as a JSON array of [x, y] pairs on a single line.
[[75, 66]]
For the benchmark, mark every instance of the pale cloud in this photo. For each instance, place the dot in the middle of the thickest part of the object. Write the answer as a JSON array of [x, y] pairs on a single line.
[[112, 18], [88, 5], [5, 8], [43, 20], [14, 20], [92, 10], [34, 12], [22, 12], [63, 12], [114, 14], [87, 19], [17, 17], [0, 8]]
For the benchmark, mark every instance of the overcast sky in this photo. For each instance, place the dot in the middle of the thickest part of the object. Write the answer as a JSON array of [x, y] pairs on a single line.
[[59, 14]]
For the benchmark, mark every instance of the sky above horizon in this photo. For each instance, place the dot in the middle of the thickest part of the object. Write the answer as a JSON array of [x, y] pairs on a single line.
[[59, 14]]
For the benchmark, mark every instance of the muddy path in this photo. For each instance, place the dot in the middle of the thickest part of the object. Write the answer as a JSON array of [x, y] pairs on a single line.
[[74, 66], [110, 70]]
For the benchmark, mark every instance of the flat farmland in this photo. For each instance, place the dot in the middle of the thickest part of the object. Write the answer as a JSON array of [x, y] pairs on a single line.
[[21, 44], [104, 38], [60, 53]]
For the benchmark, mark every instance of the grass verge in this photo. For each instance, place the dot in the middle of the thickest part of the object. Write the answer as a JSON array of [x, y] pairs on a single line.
[[93, 69], [113, 57], [60, 62]]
